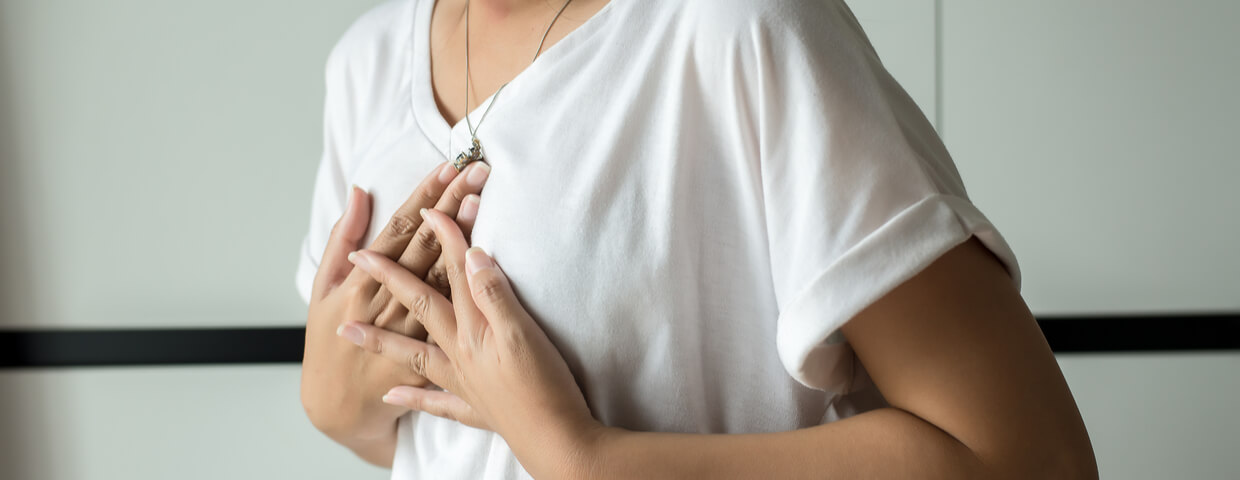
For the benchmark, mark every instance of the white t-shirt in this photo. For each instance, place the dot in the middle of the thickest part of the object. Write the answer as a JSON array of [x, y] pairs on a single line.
[[689, 196]]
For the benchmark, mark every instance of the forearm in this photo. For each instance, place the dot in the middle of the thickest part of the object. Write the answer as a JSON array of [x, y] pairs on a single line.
[[883, 443], [341, 393]]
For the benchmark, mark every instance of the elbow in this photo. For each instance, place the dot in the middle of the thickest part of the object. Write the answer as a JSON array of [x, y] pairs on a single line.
[[331, 415], [1060, 459], [314, 410], [1072, 454], [333, 418], [378, 451], [1077, 463]]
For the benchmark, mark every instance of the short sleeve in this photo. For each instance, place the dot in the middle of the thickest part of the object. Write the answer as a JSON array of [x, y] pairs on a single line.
[[331, 186], [363, 75], [859, 192]]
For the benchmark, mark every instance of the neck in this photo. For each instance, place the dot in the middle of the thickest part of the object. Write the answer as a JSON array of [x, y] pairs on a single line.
[[506, 8]]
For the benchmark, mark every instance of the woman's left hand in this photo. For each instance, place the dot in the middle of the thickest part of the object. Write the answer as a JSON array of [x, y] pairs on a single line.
[[497, 366]]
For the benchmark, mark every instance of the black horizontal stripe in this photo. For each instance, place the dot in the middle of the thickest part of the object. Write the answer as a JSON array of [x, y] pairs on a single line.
[[191, 346], [1142, 333], [199, 346]]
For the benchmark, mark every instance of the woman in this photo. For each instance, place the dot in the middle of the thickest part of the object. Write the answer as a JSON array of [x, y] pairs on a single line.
[[712, 217]]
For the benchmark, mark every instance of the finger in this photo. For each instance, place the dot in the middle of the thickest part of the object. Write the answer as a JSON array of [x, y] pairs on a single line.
[[492, 293], [437, 278], [468, 214], [385, 311], [421, 359], [405, 221], [423, 249], [468, 319], [346, 236], [440, 404], [431, 309]]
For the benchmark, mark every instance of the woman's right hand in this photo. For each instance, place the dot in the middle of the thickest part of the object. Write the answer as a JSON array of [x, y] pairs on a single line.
[[341, 385]]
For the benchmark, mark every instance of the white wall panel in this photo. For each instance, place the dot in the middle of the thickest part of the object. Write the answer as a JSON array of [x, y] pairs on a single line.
[[1155, 417], [186, 423], [1100, 138]]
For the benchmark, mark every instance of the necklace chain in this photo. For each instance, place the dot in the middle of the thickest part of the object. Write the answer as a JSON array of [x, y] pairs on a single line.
[[473, 132]]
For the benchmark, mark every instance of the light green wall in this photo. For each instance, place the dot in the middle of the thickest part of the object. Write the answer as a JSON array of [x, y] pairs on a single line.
[[162, 156]]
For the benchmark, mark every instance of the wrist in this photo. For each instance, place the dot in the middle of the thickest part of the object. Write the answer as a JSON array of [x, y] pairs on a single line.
[[560, 448], [592, 452]]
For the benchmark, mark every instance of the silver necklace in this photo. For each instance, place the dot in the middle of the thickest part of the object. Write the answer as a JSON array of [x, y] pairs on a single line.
[[474, 153]]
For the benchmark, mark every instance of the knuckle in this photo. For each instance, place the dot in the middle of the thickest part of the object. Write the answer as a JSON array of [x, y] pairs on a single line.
[[425, 240], [417, 404], [424, 196], [420, 307], [489, 291], [416, 361], [402, 224], [455, 272], [458, 195], [375, 344], [437, 278]]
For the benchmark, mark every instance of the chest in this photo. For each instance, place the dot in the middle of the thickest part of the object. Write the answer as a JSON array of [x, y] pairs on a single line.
[[603, 238]]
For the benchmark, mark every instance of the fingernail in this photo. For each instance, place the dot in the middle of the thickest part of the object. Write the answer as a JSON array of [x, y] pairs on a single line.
[[426, 216], [395, 397], [351, 333], [478, 174], [352, 197], [359, 260], [469, 208], [476, 259], [446, 173]]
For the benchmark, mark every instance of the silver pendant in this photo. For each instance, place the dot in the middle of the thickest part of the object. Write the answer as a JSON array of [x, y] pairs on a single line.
[[464, 158]]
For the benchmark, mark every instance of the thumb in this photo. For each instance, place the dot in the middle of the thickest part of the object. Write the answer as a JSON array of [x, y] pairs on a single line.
[[346, 237], [491, 291]]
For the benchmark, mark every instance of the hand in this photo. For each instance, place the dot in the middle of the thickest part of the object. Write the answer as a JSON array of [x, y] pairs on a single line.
[[499, 369], [340, 385]]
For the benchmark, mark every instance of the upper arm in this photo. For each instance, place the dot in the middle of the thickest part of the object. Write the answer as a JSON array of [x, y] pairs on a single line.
[[956, 346]]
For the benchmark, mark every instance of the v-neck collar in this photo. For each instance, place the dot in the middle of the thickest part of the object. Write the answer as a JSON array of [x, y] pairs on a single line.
[[425, 110]]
